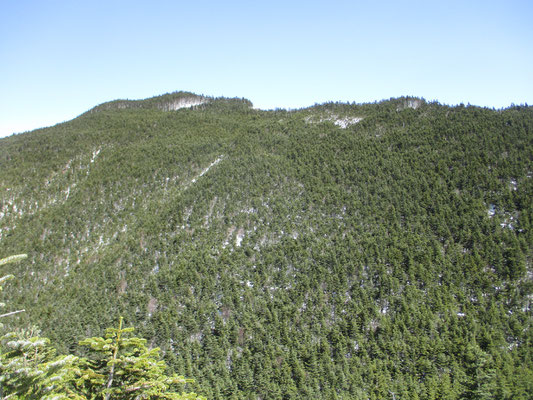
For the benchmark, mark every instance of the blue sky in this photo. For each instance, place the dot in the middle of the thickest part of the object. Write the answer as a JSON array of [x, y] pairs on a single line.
[[61, 58]]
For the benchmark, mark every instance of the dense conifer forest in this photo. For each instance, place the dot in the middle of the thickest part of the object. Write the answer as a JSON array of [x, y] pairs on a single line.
[[341, 251]]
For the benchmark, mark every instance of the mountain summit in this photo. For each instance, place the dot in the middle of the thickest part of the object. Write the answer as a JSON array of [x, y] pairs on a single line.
[[167, 102]]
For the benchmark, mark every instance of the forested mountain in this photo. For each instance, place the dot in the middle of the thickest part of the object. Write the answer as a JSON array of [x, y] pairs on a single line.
[[350, 251]]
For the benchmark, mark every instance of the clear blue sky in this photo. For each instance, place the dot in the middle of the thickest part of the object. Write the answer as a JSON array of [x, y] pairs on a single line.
[[60, 58]]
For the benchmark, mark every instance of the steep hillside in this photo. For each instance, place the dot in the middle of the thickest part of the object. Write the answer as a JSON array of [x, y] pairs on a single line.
[[344, 250]]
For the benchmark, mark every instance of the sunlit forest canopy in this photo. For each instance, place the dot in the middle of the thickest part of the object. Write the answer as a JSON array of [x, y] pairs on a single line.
[[350, 251]]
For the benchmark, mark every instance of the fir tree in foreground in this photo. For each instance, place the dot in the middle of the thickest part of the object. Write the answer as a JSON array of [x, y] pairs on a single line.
[[124, 368]]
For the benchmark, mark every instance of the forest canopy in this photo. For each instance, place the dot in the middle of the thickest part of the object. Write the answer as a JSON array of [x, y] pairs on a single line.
[[351, 251]]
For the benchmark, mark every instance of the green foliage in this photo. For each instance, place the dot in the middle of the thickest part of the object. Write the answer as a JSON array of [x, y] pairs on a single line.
[[28, 365], [30, 369], [11, 259], [342, 250], [125, 369], [6, 278]]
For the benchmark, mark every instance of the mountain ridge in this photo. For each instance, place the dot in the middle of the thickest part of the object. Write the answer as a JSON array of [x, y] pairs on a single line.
[[347, 250], [166, 102]]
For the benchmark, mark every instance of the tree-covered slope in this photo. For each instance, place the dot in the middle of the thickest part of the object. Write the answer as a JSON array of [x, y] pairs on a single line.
[[359, 251]]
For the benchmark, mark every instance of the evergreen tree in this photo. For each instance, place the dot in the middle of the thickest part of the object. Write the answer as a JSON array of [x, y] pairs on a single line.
[[124, 368]]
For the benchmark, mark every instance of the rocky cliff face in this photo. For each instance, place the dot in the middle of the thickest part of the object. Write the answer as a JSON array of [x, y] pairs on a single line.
[[185, 102], [167, 102]]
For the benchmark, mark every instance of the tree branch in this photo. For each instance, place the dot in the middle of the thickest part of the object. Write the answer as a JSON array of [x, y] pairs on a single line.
[[11, 313]]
